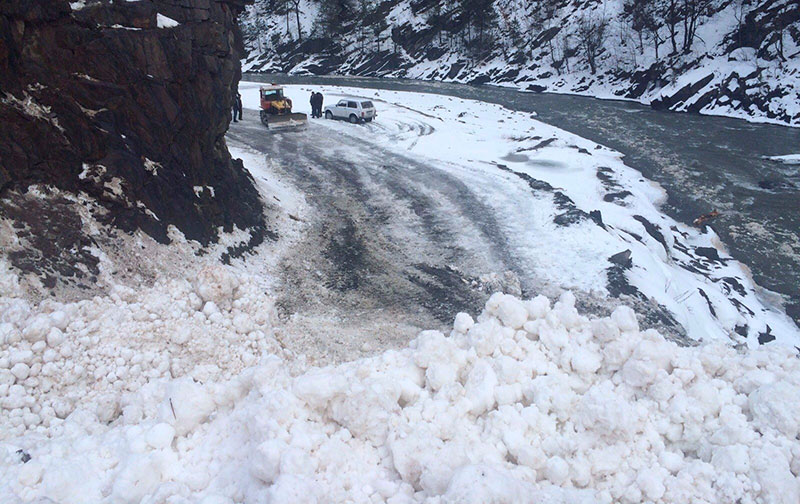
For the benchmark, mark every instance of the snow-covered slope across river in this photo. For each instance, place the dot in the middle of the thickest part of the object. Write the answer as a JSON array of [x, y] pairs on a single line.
[[576, 216], [735, 58]]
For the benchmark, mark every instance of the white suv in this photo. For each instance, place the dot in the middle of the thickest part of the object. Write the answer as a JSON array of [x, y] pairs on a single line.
[[353, 109]]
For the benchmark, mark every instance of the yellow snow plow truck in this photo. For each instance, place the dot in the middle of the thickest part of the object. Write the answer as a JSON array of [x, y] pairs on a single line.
[[276, 110]]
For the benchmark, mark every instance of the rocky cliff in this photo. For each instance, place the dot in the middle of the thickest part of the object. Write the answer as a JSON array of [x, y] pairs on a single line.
[[739, 58], [114, 114]]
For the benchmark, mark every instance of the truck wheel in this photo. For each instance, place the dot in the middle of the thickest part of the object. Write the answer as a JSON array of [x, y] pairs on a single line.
[[328, 114], [265, 118], [353, 118]]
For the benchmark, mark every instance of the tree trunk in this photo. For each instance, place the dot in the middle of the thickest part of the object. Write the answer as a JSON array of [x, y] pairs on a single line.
[[297, 16], [656, 43], [672, 22]]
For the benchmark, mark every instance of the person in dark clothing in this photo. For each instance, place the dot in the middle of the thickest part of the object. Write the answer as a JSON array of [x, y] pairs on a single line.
[[237, 107], [316, 104]]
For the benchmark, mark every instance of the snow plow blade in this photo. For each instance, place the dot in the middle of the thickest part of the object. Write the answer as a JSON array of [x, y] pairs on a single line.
[[296, 121]]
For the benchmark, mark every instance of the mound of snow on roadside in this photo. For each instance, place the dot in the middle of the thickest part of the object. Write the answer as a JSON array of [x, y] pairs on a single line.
[[56, 358], [531, 403]]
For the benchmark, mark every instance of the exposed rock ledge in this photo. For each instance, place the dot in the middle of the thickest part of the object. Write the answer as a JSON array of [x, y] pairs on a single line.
[[116, 112]]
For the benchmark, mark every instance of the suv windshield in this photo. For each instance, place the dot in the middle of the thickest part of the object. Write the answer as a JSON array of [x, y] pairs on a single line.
[[366, 104]]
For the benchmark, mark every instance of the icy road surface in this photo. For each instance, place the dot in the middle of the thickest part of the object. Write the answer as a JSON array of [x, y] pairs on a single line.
[[410, 211]]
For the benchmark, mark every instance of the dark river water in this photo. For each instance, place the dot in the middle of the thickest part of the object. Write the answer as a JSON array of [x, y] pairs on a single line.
[[704, 163]]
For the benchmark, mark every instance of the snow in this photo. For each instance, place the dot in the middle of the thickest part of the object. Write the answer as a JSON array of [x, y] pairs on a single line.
[[621, 62], [182, 391], [28, 105], [512, 421], [58, 358], [163, 21], [451, 135], [791, 159]]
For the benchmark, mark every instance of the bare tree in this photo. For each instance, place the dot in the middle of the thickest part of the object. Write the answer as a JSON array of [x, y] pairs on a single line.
[[591, 33], [378, 27], [636, 10], [671, 19], [693, 10], [652, 23], [740, 10], [296, 4]]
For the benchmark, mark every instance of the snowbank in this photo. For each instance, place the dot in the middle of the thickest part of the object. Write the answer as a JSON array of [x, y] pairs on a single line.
[[530, 403], [59, 357]]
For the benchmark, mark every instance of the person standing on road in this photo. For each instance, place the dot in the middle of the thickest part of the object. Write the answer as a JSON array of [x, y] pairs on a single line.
[[237, 107], [319, 104], [313, 102]]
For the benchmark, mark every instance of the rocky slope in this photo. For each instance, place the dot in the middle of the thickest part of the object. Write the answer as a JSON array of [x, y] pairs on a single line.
[[115, 114], [743, 59]]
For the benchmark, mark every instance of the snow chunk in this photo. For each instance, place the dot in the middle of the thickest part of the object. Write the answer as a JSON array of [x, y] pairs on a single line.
[[216, 284], [165, 22], [777, 406]]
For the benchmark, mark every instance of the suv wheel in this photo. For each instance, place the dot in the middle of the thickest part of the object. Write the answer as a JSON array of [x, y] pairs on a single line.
[[353, 118], [328, 114]]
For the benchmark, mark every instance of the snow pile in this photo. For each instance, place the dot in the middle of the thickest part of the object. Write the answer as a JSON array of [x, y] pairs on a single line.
[[531, 403], [55, 357]]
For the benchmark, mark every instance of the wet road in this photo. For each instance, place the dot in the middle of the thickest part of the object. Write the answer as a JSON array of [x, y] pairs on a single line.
[[704, 163]]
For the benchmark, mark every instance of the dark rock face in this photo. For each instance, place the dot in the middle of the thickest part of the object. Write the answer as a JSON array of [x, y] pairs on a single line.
[[101, 102]]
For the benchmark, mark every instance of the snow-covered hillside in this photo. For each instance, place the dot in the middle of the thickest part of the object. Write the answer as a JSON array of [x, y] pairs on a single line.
[[743, 58]]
